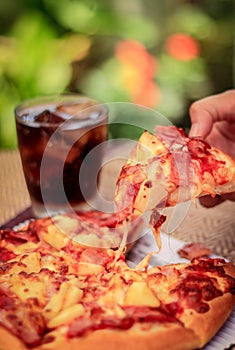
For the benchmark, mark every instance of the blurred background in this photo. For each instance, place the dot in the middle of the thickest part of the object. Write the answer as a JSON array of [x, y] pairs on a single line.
[[160, 54]]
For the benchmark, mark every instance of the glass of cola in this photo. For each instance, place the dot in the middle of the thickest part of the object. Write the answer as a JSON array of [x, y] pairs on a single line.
[[55, 136]]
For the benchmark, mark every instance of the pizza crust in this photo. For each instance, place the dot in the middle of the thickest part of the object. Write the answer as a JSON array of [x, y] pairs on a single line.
[[9, 341], [158, 337], [206, 325], [224, 189], [229, 269], [197, 331]]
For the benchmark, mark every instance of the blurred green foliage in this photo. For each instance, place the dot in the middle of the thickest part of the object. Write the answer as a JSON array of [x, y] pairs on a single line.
[[51, 46]]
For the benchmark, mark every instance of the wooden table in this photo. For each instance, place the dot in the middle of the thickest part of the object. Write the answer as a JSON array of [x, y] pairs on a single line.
[[215, 227]]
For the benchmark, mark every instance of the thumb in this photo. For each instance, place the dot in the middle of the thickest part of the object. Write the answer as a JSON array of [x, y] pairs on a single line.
[[204, 113]]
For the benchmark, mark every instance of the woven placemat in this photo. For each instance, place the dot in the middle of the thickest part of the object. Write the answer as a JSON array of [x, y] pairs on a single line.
[[13, 191], [214, 227]]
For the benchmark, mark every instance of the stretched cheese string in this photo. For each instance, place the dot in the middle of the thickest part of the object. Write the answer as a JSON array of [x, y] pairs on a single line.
[[126, 228], [144, 263], [123, 245], [157, 237]]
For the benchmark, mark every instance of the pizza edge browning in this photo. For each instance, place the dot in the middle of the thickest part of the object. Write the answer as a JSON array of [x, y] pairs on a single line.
[[199, 330], [167, 336], [208, 324], [9, 341]]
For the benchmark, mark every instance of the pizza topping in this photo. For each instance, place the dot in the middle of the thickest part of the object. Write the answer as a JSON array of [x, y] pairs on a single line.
[[129, 182], [66, 315], [96, 256], [6, 254], [208, 265], [193, 293], [98, 319], [148, 184], [208, 166], [80, 326], [173, 309], [148, 314], [99, 218], [7, 302], [5, 267], [18, 237], [197, 147], [194, 250], [180, 173], [24, 322], [27, 326], [157, 219], [140, 294], [171, 135]]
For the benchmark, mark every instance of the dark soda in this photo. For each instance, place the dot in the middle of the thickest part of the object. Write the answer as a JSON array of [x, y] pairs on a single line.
[[54, 139]]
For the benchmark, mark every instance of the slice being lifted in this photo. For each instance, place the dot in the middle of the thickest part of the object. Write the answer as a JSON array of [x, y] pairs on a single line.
[[169, 168]]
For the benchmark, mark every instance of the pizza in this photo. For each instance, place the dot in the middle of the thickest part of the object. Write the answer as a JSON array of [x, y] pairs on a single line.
[[65, 282], [58, 293], [167, 168]]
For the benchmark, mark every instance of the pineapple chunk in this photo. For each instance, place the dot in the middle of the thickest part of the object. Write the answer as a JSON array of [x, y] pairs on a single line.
[[66, 315], [56, 238], [85, 268], [56, 302], [25, 248], [73, 296], [28, 263], [34, 288], [32, 262], [66, 224], [140, 294], [91, 239], [69, 294], [115, 293]]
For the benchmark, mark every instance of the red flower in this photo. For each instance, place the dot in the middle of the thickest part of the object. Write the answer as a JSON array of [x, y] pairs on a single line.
[[149, 96], [133, 53], [138, 70], [182, 47]]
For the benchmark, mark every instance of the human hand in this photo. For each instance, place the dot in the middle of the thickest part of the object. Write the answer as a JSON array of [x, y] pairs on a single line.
[[213, 119]]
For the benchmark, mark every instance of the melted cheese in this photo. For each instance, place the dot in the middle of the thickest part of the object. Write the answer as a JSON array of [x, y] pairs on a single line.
[[30, 288]]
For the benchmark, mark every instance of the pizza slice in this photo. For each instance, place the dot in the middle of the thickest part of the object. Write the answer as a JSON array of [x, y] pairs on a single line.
[[169, 168]]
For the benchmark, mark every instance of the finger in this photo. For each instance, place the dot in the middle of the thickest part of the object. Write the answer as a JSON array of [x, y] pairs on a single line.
[[205, 112]]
